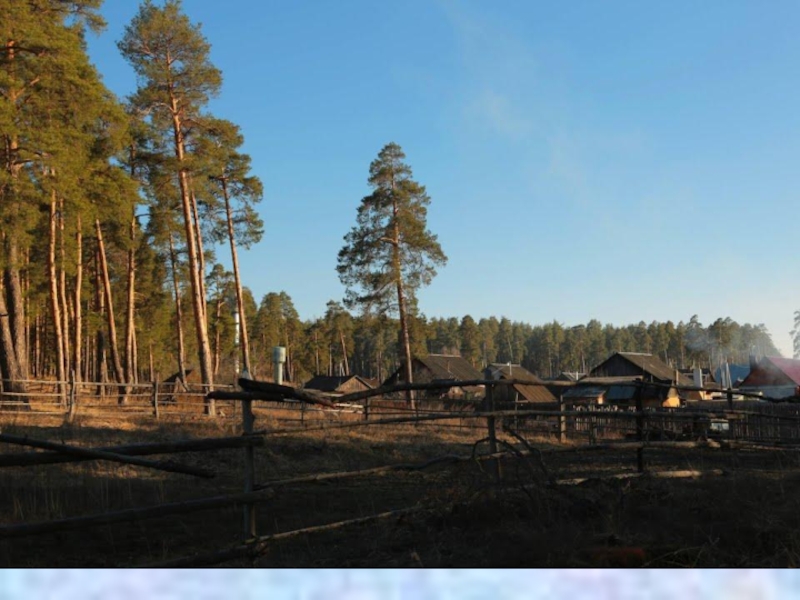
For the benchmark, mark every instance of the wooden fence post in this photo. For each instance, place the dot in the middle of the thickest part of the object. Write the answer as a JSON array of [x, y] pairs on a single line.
[[155, 398], [248, 419], [366, 409], [562, 421], [640, 422], [73, 404], [494, 464]]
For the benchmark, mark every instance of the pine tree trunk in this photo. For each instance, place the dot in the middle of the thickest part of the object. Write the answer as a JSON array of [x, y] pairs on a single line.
[[401, 305], [77, 366], [217, 334], [116, 363], [201, 256], [55, 304], [130, 313], [15, 305], [344, 353], [62, 287], [245, 341], [100, 374], [198, 302], [178, 312], [12, 377]]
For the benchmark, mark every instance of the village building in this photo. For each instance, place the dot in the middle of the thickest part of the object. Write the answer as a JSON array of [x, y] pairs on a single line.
[[621, 373], [338, 384], [435, 368], [774, 377], [517, 393]]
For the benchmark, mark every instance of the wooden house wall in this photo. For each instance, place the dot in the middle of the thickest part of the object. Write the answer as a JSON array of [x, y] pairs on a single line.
[[352, 385], [617, 366]]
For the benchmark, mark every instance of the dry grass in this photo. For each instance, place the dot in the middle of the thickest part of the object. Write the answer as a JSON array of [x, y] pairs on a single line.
[[748, 518]]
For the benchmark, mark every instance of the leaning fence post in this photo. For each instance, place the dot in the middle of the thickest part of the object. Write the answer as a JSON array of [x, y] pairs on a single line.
[[640, 428]]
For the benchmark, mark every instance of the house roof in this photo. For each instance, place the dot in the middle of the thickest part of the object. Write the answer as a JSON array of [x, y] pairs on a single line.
[[331, 383], [532, 393], [449, 367], [648, 364], [738, 373], [790, 367]]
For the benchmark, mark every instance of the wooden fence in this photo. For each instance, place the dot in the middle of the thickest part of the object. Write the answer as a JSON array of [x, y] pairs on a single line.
[[505, 432]]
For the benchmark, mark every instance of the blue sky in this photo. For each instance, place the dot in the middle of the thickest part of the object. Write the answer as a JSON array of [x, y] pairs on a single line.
[[622, 161], [473, 584]]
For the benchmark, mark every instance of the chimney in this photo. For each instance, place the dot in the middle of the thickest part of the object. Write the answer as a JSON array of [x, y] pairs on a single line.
[[753, 362], [698, 377]]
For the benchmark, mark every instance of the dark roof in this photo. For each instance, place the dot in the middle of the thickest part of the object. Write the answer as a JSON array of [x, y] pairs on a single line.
[[331, 383], [449, 367], [532, 393], [789, 367], [647, 364]]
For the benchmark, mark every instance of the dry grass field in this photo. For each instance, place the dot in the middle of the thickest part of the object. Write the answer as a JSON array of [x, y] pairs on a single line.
[[747, 516]]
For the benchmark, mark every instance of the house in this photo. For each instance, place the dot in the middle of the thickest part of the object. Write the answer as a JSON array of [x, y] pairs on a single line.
[[338, 384], [774, 377], [646, 368], [519, 392], [440, 368]]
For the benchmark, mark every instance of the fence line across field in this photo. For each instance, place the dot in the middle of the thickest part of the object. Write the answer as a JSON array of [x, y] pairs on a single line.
[[499, 437]]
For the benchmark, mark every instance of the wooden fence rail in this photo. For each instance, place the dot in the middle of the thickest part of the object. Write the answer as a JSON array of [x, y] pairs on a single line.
[[557, 420]]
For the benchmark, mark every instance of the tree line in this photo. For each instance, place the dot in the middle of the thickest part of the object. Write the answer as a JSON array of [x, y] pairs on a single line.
[[114, 214], [340, 343]]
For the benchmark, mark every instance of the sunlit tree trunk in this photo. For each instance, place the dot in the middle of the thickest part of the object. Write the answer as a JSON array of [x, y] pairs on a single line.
[[178, 311], [245, 341], [116, 363], [55, 303]]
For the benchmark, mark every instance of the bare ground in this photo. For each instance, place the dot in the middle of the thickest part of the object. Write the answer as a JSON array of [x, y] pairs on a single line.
[[749, 516]]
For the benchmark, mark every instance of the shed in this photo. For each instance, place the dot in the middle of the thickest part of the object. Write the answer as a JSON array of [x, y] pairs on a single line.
[[519, 392]]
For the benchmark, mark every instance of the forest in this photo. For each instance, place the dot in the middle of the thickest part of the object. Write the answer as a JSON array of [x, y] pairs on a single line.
[[118, 213]]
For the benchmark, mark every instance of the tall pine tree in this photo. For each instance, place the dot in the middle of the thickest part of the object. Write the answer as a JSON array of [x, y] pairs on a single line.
[[390, 253]]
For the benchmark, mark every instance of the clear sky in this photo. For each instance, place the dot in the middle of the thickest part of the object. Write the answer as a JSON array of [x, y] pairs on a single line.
[[618, 160], [472, 584]]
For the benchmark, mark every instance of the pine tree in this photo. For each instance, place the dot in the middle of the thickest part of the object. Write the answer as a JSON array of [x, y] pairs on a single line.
[[176, 81], [55, 122], [390, 253], [230, 199]]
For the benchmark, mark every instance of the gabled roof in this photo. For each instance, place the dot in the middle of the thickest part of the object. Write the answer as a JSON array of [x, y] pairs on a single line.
[[790, 367], [646, 364], [331, 383], [532, 393], [449, 367]]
